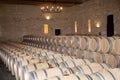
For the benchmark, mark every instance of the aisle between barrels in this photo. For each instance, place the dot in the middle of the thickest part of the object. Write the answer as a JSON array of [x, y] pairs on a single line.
[[4, 73]]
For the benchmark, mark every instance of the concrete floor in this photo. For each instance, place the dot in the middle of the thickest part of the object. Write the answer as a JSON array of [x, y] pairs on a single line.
[[4, 73]]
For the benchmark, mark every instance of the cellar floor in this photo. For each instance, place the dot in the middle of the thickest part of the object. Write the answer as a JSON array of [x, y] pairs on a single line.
[[4, 73]]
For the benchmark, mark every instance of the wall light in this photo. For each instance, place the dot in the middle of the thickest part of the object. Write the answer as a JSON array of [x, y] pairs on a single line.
[[45, 28], [89, 25], [47, 17], [75, 26], [98, 24]]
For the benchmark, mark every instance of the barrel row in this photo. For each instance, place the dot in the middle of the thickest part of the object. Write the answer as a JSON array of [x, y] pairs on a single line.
[[111, 74], [91, 43], [81, 69], [112, 60], [53, 69], [84, 47], [63, 66], [15, 59]]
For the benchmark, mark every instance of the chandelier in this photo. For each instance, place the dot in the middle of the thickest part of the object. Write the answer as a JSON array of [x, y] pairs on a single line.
[[51, 8]]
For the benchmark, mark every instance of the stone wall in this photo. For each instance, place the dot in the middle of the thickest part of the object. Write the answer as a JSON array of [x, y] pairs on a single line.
[[19, 20], [97, 11]]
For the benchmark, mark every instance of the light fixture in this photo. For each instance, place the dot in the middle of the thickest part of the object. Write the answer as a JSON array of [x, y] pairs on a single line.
[[51, 8], [75, 26], [89, 25], [97, 24], [47, 17], [45, 28]]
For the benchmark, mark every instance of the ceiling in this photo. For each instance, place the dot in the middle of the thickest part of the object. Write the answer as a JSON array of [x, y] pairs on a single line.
[[38, 2]]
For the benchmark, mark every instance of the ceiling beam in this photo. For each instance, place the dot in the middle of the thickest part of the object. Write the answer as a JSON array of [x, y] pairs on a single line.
[[38, 2]]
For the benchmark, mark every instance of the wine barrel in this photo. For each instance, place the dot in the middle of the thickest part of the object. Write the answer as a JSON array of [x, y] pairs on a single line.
[[12, 63], [58, 49], [37, 66], [117, 57], [46, 53], [70, 51], [45, 40], [87, 55], [84, 54], [112, 44], [90, 68], [106, 45], [67, 41], [93, 44], [15, 62], [55, 57], [32, 67], [45, 46], [97, 57], [111, 60], [74, 77], [117, 46], [11, 58], [4, 57], [53, 48], [88, 42], [105, 75], [47, 73], [83, 43], [78, 53], [74, 42], [74, 63], [64, 50], [41, 39], [23, 63], [51, 56], [61, 40], [51, 41], [49, 47], [115, 72], [56, 41], [61, 59], [48, 40], [97, 44]]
